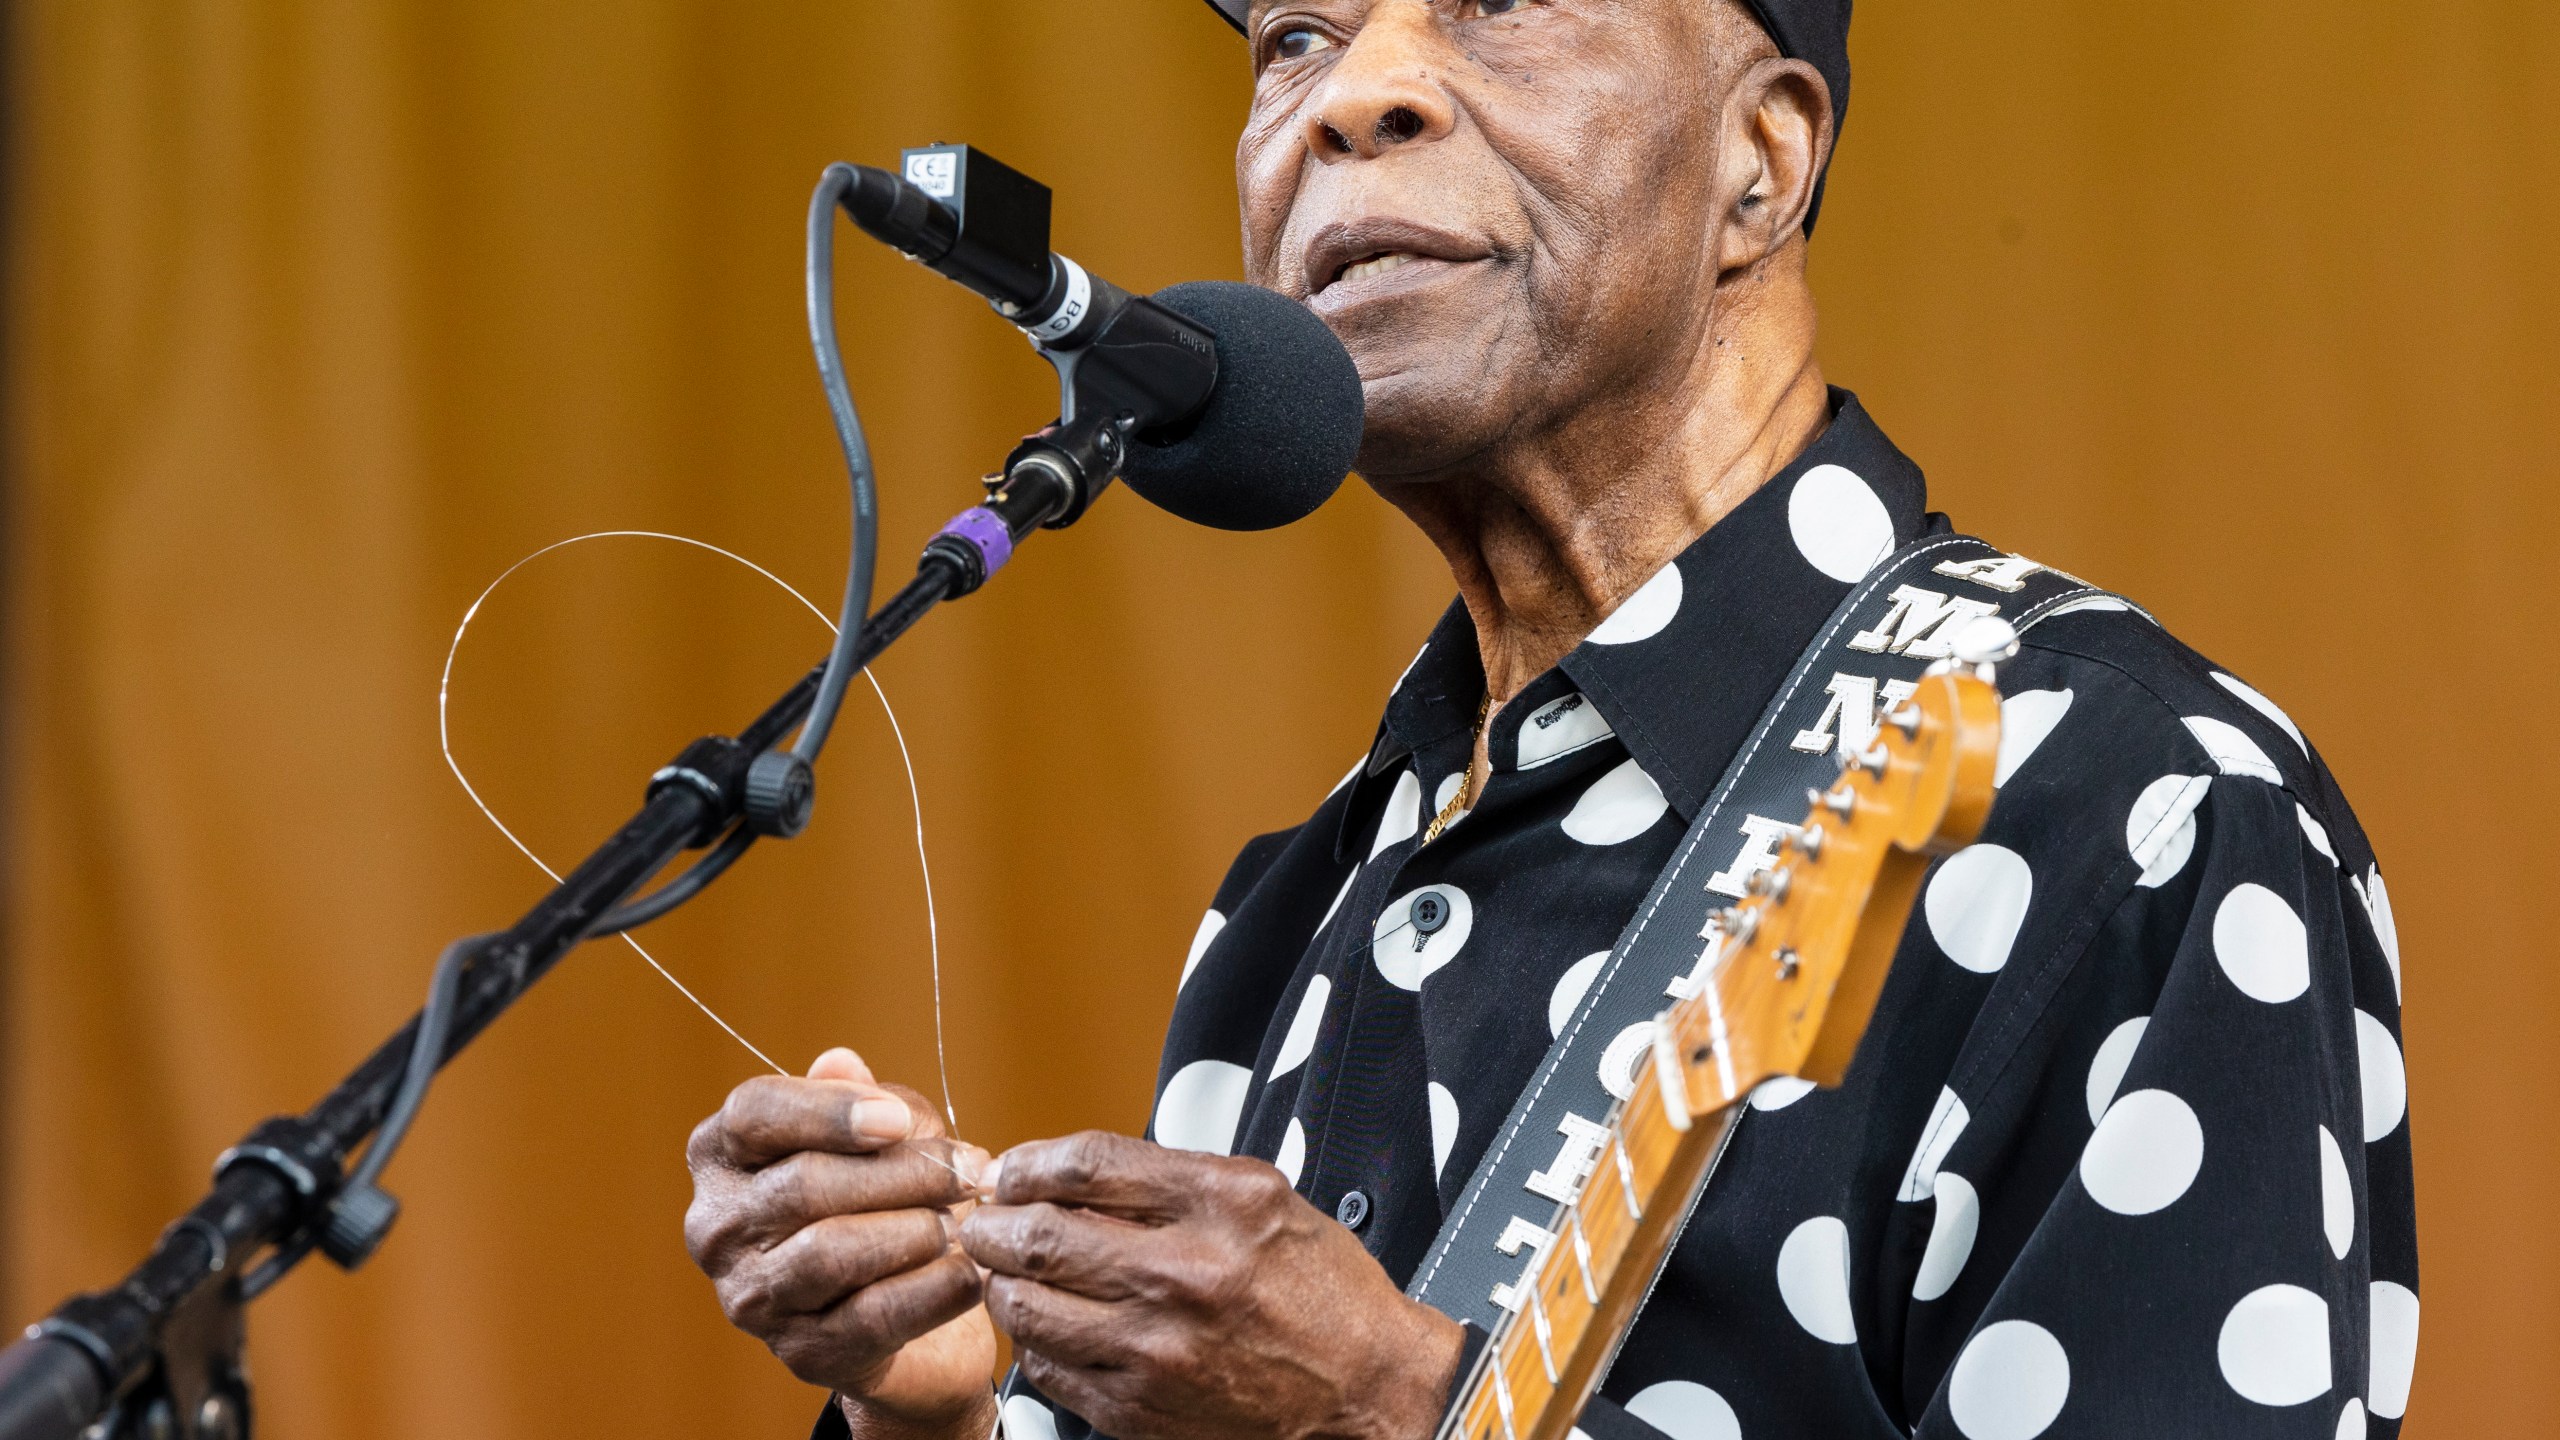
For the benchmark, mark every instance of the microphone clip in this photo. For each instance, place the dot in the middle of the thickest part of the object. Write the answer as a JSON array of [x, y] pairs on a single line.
[[1048, 482], [1120, 358]]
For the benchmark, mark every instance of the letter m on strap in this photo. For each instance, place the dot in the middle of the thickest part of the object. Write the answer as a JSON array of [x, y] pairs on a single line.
[[1921, 624]]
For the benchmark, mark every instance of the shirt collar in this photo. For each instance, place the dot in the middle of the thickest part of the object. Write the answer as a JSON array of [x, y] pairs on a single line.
[[1683, 667]]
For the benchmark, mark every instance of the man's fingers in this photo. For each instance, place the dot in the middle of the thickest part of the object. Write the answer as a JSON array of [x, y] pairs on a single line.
[[824, 1262], [840, 1064], [1099, 1169], [907, 1305], [1067, 1328], [872, 1324], [772, 1116], [926, 1118], [802, 1189], [1091, 1254]]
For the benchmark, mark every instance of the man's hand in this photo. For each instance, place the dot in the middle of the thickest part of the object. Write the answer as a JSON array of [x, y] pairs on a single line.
[[824, 1211], [1164, 1295]]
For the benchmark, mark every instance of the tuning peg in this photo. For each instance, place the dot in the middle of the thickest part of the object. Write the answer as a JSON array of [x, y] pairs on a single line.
[[1738, 924], [1843, 802], [1985, 643]]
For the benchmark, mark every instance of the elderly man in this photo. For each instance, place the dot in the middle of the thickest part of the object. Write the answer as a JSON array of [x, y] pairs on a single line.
[[2124, 1151]]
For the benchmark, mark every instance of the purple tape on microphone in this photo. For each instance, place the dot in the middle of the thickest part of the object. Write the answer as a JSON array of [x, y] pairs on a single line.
[[984, 532]]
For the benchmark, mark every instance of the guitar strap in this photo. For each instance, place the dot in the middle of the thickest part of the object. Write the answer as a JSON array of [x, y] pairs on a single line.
[[1865, 660]]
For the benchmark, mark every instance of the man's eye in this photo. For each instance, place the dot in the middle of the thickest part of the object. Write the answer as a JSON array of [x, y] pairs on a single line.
[[1497, 7], [1299, 40]]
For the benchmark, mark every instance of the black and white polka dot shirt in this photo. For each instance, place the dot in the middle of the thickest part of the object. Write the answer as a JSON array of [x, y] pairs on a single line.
[[2125, 1151]]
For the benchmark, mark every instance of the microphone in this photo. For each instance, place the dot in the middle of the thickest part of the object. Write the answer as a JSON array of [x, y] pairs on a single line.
[[1280, 428], [972, 218], [1229, 405]]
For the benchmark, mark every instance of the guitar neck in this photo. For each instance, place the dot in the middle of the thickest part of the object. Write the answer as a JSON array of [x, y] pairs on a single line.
[[1784, 987], [1603, 1251]]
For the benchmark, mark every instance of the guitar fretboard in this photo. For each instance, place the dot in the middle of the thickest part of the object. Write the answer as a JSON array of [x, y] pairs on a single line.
[[1598, 1259], [1786, 984]]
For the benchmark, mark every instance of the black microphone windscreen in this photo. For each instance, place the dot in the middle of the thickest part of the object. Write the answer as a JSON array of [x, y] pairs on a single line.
[[1280, 430]]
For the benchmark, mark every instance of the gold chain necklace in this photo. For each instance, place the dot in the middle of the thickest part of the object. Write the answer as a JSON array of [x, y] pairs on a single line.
[[1458, 802]]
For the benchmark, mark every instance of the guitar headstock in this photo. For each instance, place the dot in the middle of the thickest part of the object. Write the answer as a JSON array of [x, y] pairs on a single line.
[[1799, 960]]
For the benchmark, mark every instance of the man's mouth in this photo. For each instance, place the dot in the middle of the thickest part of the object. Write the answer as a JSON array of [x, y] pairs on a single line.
[[1374, 265], [1343, 254]]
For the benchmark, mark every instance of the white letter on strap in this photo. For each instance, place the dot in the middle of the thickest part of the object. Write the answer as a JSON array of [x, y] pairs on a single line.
[[1761, 837], [1517, 1233], [1562, 1180], [1920, 624], [2000, 572]]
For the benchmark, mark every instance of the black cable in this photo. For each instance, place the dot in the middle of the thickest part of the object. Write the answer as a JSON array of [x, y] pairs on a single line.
[[275, 1267], [636, 913], [426, 1052], [842, 658], [837, 182]]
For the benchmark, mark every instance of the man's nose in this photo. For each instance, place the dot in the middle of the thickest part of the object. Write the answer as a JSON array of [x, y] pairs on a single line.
[[1385, 91]]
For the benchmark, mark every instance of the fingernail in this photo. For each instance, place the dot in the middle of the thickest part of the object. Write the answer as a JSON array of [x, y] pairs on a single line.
[[990, 1176], [971, 1163], [881, 1117]]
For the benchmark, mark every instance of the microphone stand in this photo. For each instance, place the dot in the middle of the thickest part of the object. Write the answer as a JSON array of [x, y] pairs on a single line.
[[158, 1357]]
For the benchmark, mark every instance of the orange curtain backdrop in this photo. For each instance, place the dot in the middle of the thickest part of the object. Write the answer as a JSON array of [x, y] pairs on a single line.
[[320, 316]]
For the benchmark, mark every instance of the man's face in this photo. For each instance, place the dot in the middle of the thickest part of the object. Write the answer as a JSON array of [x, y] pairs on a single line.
[[1506, 208]]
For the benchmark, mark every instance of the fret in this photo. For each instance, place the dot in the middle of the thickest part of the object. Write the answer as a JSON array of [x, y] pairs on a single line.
[[1719, 1037], [1582, 1254], [1789, 979], [1667, 1075], [1546, 1338]]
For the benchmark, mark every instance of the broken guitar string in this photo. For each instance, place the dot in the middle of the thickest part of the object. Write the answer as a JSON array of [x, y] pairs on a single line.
[[915, 800]]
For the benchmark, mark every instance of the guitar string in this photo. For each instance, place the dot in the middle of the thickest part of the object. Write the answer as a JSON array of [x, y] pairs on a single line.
[[915, 799]]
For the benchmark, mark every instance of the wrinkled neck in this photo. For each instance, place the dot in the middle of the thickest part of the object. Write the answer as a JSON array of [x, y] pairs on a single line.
[[1549, 533]]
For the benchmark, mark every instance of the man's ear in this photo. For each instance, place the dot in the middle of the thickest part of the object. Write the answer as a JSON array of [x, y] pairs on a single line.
[[1777, 135]]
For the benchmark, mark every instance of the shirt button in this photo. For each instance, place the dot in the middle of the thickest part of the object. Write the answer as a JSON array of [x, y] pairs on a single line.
[[1430, 912], [1352, 1209]]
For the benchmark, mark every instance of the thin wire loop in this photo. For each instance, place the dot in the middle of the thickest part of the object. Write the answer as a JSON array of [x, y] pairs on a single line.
[[915, 797]]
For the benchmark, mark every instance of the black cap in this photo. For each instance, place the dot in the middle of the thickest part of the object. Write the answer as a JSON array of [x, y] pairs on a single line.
[[1814, 31]]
